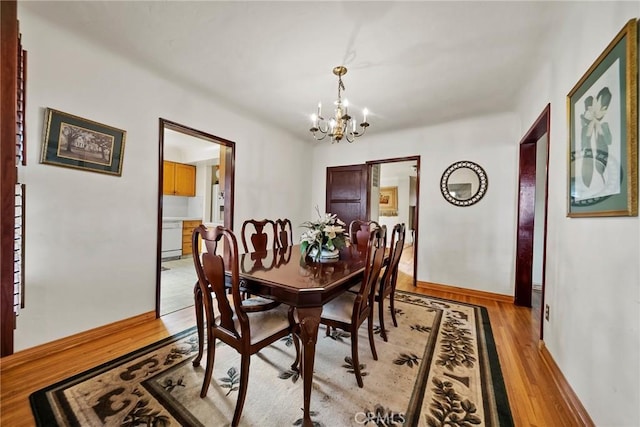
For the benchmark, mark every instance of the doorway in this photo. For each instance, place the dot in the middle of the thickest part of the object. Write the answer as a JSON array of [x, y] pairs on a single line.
[[353, 192], [393, 200], [531, 235], [196, 187]]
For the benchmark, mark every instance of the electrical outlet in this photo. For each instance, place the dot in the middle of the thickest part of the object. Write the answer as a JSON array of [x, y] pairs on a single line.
[[546, 312]]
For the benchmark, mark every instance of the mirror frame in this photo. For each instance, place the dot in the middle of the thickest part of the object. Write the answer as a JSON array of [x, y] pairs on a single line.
[[482, 179]]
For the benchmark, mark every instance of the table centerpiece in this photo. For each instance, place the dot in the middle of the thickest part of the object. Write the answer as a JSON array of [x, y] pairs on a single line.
[[324, 237]]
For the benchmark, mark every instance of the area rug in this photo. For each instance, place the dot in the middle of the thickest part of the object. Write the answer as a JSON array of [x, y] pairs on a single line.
[[440, 367]]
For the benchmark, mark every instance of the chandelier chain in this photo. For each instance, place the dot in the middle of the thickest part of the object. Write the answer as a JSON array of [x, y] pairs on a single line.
[[340, 88]]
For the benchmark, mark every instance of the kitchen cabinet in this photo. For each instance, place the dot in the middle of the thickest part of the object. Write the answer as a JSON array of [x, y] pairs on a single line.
[[179, 179], [187, 232]]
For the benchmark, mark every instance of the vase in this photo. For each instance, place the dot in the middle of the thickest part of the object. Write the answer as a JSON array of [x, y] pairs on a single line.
[[324, 254]]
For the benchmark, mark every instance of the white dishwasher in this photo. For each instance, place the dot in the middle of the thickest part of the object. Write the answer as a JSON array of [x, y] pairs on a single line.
[[171, 239]]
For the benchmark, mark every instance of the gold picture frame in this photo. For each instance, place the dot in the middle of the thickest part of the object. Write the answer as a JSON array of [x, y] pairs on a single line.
[[602, 111], [78, 143], [388, 201]]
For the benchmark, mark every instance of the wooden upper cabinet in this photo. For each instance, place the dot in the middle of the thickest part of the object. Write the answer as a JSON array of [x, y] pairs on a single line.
[[168, 177], [185, 182], [179, 179]]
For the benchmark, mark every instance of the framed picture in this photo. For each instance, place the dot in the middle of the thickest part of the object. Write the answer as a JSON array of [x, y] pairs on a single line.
[[602, 113], [74, 142], [388, 201]]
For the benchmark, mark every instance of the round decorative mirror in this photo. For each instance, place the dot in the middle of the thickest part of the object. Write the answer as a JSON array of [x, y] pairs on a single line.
[[464, 183]]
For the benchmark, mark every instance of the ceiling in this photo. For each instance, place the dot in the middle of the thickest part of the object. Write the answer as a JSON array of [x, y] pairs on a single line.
[[189, 149], [411, 64]]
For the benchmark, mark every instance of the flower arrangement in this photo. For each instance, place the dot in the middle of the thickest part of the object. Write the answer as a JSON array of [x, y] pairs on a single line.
[[324, 236]]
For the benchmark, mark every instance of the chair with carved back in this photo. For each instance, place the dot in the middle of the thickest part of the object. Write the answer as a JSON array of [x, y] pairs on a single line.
[[284, 232], [259, 235], [359, 233], [349, 310], [228, 317], [387, 285]]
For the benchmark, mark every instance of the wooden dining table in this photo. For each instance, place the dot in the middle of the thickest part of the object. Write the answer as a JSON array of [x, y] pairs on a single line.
[[283, 276]]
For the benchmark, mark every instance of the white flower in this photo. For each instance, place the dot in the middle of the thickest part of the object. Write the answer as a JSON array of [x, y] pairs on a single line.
[[326, 232], [333, 230], [311, 236]]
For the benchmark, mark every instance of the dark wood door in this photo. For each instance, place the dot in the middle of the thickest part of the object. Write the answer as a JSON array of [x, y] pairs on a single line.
[[526, 213], [347, 194]]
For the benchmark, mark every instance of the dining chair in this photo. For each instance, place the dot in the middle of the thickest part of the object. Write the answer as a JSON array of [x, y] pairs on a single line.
[[284, 232], [361, 239], [349, 310], [359, 233], [261, 234], [229, 318], [387, 285]]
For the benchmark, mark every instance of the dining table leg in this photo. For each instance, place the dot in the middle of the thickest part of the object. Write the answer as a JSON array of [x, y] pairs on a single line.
[[309, 319]]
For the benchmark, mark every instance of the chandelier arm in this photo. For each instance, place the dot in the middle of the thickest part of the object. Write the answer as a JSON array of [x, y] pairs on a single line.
[[353, 136], [324, 135], [326, 126]]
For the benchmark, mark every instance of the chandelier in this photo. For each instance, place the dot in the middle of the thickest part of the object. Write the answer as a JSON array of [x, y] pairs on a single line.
[[341, 125]]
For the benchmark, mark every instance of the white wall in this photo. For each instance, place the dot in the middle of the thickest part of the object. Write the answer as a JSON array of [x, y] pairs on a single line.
[[91, 238], [593, 270], [470, 247]]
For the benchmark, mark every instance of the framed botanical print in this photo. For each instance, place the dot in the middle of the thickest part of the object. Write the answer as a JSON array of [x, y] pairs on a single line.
[[603, 132]]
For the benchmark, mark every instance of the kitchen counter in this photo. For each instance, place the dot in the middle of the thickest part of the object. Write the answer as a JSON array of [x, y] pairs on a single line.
[[180, 218], [212, 224]]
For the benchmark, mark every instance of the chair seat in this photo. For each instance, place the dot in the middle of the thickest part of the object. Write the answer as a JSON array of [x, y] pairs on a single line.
[[264, 323], [257, 303], [355, 288], [340, 308]]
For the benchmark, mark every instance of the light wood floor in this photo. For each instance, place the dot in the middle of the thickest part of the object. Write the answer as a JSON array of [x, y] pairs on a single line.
[[534, 398]]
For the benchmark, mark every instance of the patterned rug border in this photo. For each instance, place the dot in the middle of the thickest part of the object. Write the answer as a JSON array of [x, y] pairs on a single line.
[[43, 413], [40, 406], [505, 416]]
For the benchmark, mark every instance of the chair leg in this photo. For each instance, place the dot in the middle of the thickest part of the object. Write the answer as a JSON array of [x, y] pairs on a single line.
[[211, 352], [197, 296], [242, 390], [354, 357], [393, 307], [383, 332], [372, 343]]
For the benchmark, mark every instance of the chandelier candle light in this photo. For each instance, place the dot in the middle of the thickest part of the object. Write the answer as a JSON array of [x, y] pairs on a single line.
[[341, 125]]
